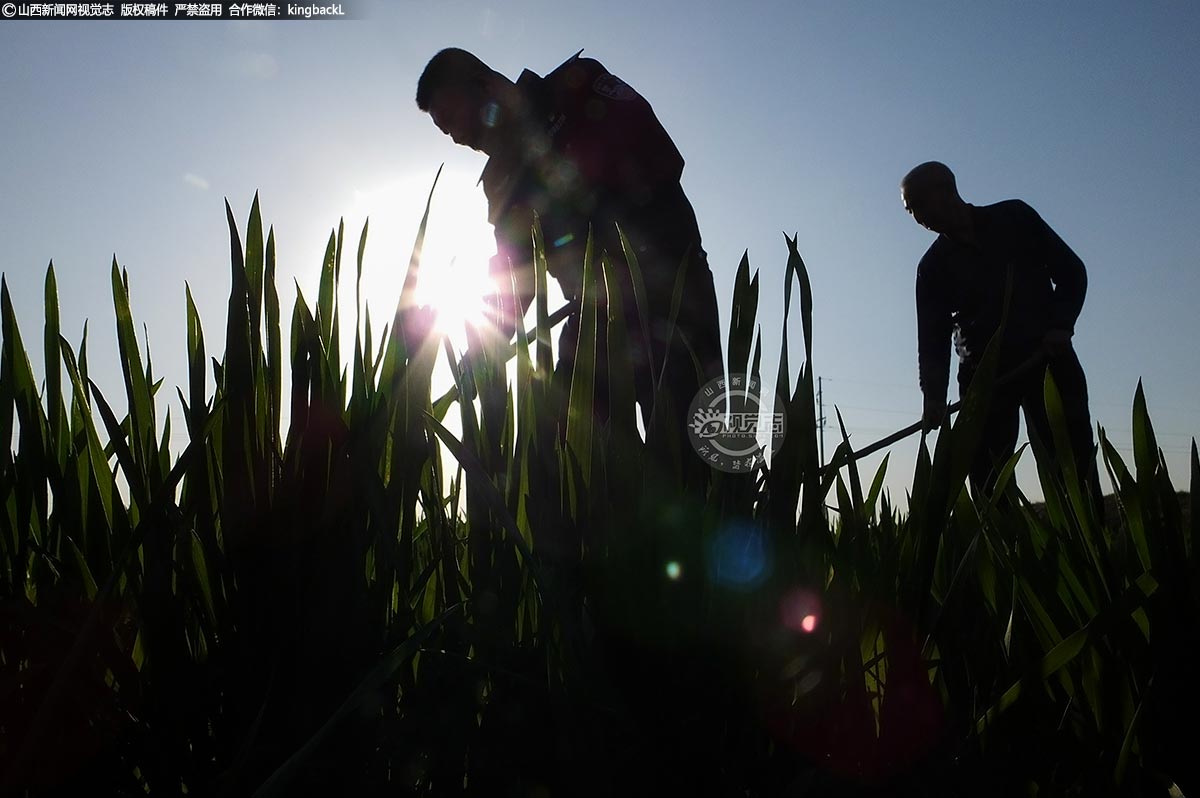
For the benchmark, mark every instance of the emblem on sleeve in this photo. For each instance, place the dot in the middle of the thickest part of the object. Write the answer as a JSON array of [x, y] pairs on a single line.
[[614, 88]]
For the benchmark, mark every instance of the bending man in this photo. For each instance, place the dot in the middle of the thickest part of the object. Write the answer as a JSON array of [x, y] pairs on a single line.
[[582, 149], [961, 284]]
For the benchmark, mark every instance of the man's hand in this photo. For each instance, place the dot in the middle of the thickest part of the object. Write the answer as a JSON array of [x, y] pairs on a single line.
[[1057, 342], [933, 413]]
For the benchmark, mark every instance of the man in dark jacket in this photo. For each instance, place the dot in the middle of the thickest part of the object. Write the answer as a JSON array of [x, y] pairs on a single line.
[[961, 285], [582, 149]]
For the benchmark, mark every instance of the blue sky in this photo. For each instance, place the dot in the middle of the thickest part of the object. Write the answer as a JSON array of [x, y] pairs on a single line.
[[126, 138]]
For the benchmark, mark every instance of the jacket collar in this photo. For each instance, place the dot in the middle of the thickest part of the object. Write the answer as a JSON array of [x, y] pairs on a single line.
[[531, 85]]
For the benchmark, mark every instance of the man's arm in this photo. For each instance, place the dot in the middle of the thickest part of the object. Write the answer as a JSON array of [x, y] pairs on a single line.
[[511, 269], [514, 285], [1068, 274], [934, 325], [505, 309]]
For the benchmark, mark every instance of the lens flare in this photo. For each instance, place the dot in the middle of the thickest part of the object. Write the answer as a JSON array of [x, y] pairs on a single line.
[[491, 114], [809, 682], [674, 571], [738, 556], [800, 611]]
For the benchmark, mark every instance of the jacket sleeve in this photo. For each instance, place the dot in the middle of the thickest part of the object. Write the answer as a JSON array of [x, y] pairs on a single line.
[[934, 325], [1066, 271]]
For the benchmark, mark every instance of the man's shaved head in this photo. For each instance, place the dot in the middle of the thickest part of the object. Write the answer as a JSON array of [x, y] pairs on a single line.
[[450, 67], [931, 174], [930, 194], [468, 100]]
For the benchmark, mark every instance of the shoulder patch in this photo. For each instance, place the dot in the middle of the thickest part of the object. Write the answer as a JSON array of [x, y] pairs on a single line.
[[614, 88]]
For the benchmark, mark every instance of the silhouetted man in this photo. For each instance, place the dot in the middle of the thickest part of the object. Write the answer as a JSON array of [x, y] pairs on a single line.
[[579, 147], [961, 284]]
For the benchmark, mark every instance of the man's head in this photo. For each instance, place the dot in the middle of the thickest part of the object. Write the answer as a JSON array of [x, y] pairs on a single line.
[[463, 96], [930, 195]]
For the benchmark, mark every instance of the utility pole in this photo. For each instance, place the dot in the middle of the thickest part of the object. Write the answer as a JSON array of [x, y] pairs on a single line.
[[821, 418]]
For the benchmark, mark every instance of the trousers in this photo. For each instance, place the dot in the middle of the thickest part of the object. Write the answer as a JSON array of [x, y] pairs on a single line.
[[1026, 394], [678, 361]]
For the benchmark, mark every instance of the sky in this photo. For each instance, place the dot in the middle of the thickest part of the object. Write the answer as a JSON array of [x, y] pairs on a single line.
[[800, 118]]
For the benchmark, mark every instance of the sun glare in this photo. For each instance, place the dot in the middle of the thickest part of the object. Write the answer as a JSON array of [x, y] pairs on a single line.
[[453, 277]]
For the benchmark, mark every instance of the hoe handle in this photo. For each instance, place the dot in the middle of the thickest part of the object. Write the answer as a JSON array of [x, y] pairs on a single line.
[[554, 319], [1036, 359]]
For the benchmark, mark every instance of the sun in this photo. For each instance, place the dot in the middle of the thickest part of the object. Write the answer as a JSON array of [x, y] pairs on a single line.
[[453, 275], [458, 292]]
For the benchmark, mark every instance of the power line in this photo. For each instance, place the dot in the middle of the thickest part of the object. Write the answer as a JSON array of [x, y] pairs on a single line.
[[877, 410], [821, 417], [908, 385]]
